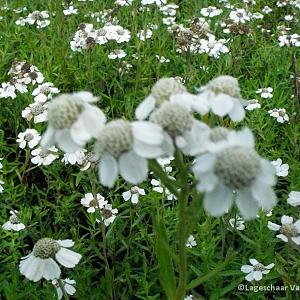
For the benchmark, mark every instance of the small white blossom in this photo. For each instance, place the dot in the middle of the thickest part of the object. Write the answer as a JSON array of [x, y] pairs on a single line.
[[191, 242], [256, 270], [42, 156], [44, 92], [108, 214], [265, 92], [282, 170], [238, 223], [118, 53], [93, 203], [279, 114], [133, 194], [252, 104], [294, 198], [68, 286], [29, 137], [14, 223]]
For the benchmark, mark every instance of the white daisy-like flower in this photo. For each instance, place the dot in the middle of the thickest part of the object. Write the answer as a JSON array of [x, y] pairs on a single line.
[[68, 286], [279, 114], [294, 198], [123, 147], [40, 263], [256, 270], [230, 166], [14, 223], [76, 157], [191, 242], [37, 111], [210, 11], [266, 10], [42, 156], [133, 194], [289, 231], [108, 214], [282, 170], [44, 92], [71, 10], [7, 90], [237, 223], [212, 46], [239, 15], [160, 92], [118, 53], [93, 203], [72, 121], [252, 104], [224, 97], [265, 92], [29, 137], [157, 187]]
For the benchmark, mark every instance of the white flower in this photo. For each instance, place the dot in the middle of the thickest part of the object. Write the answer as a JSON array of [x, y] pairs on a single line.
[[29, 137], [40, 262], [239, 16], [266, 10], [71, 10], [212, 46], [123, 147], [210, 11], [160, 92], [191, 242], [93, 203], [68, 286], [256, 270], [288, 230], [294, 198], [72, 121], [44, 156], [234, 165], [118, 53], [265, 92], [7, 90], [75, 157], [252, 104], [159, 189], [189, 297], [133, 194], [224, 97], [14, 223], [37, 111], [280, 115], [282, 170], [145, 34], [108, 214], [237, 223], [44, 92]]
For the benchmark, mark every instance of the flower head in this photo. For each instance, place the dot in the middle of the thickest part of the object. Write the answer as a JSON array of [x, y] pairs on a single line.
[[68, 285], [93, 203], [40, 263], [72, 121], [133, 194], [294, 198], [234, 168], [256, 270], [29, 137], [14, 223]]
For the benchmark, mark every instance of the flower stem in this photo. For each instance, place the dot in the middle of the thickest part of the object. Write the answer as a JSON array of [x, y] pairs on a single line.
[[164, 178], [182, 225]]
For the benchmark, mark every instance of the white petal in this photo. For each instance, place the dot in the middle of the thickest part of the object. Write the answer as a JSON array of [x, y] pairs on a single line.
[[273, 226], [48, 138], [282, 237], [145, 108], [204, 163], [70, 289], [126, 195], [257, 275], [296, 240], [51, 269], [246, 268], [253, 261], [135, 198], [246, 204], [65, 141], [264, 195], [286, 220], [108, 170], [67, 258], [147, 132], [270, 266], [249, 277], [146, 150], [267, 174], [221, 104], [86, 96], [237, 114], [32, 268], [207, 182], [66, 243], [133, 168], [219, 201]]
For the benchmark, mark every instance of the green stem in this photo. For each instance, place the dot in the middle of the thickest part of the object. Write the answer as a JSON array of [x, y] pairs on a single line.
[[61, 285], [182, 225], [158, 171]]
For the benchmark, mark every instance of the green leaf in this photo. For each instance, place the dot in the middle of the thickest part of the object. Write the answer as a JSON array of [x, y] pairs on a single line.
[[164, 257]]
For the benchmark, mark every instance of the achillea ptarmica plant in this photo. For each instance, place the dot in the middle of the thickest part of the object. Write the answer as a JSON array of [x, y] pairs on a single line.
[[40, 263], [224, 97], [72, 121], [234, 170], [123, 147]]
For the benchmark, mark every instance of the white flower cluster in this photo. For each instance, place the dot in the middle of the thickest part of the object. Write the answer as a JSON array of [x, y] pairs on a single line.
[[227, 166], [38, 18], [87, 36], [97, 204], [289, 40]]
